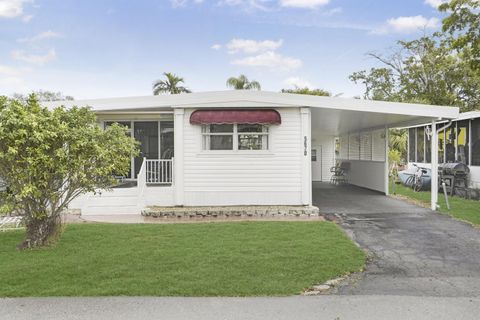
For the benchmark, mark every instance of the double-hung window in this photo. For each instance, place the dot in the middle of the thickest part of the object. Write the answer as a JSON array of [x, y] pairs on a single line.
[[235, 137], [217, 136]]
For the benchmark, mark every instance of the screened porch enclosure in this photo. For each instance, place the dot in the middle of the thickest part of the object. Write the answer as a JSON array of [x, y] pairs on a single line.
[[460, 142], [156, 149]]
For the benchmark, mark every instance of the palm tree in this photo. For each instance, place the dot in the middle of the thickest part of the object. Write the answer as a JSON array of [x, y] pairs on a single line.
[[242, 83], [170, 85]]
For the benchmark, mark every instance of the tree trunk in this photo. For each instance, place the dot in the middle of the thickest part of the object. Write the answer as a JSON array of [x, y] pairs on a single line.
[[41, 232]]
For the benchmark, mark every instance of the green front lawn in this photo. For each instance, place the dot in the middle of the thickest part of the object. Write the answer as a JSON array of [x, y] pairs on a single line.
[[201, 259], [463, 209]]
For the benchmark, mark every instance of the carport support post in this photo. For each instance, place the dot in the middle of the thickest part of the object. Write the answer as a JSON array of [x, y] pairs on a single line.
[[434, 155]]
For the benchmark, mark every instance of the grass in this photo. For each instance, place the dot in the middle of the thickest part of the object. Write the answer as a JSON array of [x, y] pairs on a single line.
[[462, 209], [203, 259]]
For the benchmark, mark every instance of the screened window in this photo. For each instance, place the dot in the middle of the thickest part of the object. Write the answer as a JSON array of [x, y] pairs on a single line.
[[411, 145], [366, 146], [441, 144], [420, 144], [475, 142], [450, 144], [235, 137], [462, 141]]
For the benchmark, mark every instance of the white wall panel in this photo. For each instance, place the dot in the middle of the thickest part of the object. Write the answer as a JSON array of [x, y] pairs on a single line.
[[343, 140], [378, 145], [250, 177], [367, 174], [354, 146]]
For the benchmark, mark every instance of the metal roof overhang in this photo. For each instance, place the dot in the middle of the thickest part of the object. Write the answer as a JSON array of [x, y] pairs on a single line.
[[330, 115]]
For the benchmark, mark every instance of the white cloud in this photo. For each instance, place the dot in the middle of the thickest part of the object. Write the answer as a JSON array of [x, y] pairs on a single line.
[[308, 4], [12, 8], [27, 18], [251, 46], [271, 60], [246, 4], [41, 36], [407, 25], [12, 77], [216, 46], [9, 71], [178, 3], [333, 11], [297, 82], [434, 3], [11, 81], [21, 55], [183, 3]]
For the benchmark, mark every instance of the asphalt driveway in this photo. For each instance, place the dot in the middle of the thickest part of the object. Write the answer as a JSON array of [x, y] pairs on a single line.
[[413, 251]]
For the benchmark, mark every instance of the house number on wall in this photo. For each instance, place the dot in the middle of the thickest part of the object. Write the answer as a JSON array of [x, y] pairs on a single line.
[[305, 145]]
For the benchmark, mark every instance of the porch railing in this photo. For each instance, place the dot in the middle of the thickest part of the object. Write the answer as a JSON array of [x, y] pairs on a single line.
[[158, 171]]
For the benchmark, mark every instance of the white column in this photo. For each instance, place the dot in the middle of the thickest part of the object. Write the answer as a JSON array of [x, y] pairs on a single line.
[[178, 157], [434, 152], [306, 159], [386, 168]]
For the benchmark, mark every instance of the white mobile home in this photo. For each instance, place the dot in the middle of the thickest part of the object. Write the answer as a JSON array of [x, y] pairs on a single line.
[[459, 142], [247, 147]]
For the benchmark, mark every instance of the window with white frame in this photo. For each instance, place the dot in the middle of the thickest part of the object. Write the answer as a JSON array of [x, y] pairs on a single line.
[[235, 137]]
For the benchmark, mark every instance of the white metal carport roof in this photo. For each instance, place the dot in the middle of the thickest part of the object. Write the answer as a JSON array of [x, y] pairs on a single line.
[[330, 115]]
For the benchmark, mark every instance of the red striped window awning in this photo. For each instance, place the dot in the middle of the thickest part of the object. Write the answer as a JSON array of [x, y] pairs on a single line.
[[245, 116]]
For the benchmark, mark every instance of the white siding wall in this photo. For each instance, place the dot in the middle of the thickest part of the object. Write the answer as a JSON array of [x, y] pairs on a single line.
[[475, 177], [243, 178], [325, 146], [367, 174], [367, 157]]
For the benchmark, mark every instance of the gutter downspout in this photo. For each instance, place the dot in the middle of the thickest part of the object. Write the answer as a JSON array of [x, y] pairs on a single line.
[[434, 170]]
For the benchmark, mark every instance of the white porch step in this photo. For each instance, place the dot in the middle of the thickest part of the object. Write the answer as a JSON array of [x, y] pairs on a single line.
[[123, 201]]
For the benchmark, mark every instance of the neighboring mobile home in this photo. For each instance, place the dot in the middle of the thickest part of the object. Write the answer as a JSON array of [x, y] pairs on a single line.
[[460, 142], [247, 147]]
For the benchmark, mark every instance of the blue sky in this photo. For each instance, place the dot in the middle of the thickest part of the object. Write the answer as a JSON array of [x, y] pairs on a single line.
[[107, 48]]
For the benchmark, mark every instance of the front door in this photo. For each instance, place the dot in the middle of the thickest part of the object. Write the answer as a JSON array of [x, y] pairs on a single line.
[[317, 174], [146, 133]]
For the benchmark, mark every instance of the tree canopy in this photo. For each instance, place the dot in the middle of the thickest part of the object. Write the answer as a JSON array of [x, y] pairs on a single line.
[[243, 83], [308, 91], [43, 95], [463, 25], [441, 69], [171, 85], [424, 70], [49, 157]]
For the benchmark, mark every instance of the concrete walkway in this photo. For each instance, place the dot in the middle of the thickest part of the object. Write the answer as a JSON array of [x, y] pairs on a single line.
[[320, 307], [413, 250]]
